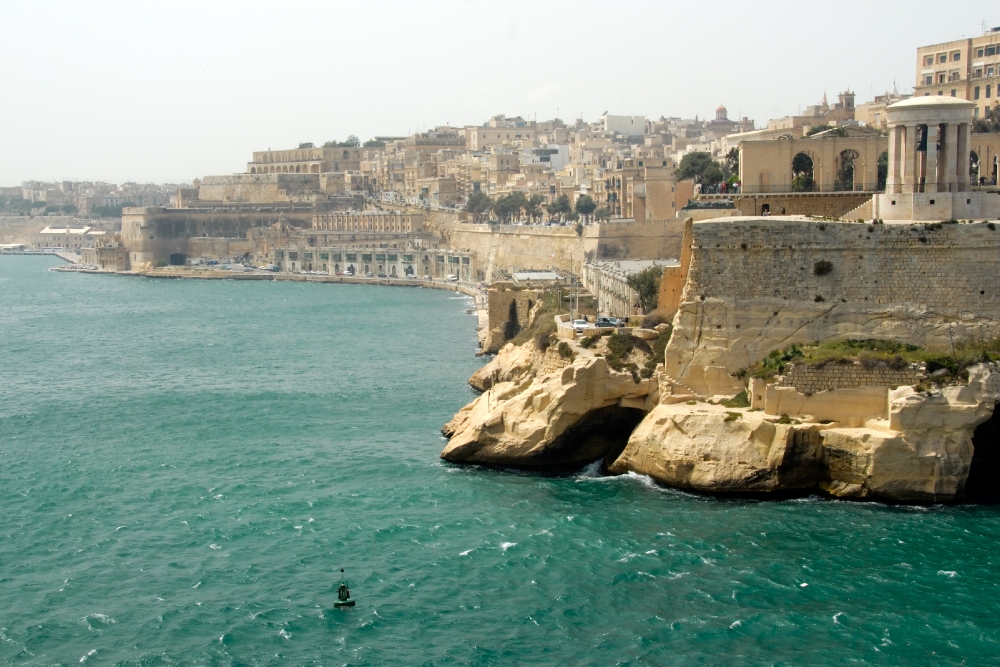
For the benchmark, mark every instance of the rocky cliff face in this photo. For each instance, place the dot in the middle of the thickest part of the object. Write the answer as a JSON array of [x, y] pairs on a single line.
[[540, 415], [923, 452]]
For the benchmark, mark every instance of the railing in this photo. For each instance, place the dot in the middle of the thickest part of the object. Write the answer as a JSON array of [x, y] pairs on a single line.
[[908, 188], [787, 189]]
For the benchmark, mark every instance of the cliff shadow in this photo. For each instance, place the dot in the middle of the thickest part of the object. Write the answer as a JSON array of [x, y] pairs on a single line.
[[983, 483]]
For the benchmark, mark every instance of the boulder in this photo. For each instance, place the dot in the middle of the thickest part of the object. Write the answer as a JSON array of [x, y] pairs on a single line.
[[570, 417]]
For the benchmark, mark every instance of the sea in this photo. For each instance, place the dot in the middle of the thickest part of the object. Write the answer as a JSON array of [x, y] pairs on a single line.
[[186, 467]]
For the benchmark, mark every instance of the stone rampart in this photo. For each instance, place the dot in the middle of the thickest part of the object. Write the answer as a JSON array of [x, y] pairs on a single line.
[[263, 188], [809, 379], [757, 285], [512, 248]]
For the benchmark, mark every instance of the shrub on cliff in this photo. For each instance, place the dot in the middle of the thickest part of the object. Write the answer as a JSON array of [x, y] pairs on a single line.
[[647, 284], [822, 267], [565, 351]]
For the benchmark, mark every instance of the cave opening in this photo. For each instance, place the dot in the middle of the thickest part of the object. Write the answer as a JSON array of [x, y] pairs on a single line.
[[600, 435], [983, 483]]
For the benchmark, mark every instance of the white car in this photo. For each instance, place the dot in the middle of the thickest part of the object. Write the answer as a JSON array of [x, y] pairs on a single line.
[[580, 325]]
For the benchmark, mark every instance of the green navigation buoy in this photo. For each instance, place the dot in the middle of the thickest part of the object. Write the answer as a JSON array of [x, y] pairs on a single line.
[[343, 593]]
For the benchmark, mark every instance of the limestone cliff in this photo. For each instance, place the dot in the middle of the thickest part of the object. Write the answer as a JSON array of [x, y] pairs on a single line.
[[922, 452], [568, 416]]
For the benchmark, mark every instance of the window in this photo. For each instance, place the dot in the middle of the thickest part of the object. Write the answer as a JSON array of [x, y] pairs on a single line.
[[978, 72], [989, 71], [941, 77], [953, 92], [989, 89], [956, 56], [975, 93], [991, 50], [943, 58], [979, 53], [928, 80], [929, 60]]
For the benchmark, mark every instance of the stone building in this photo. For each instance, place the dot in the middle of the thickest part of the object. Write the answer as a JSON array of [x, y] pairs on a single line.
[[828, 163], [929, 159], [608, 282], [306, 160], [968, 69], [383, 260]]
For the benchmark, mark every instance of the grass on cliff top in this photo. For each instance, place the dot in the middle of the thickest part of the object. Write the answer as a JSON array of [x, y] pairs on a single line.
[[874, 353], [544, 326]]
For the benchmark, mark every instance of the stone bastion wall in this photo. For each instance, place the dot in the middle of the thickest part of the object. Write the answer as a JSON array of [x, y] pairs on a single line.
[[753, 287], [814, 379], [515, 247]]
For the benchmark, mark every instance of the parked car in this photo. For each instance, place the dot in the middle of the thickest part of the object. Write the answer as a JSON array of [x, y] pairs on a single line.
[[607, 322], [580, 325], [381, 275]]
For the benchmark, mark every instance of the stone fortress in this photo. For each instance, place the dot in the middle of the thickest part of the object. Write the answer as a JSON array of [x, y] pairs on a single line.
[[750, 286]]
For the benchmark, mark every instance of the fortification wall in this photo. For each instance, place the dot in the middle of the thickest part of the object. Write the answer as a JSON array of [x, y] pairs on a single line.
[[515, 247], [22, 228], [753, 288], [153, 234], [263, 188], [812, 379]]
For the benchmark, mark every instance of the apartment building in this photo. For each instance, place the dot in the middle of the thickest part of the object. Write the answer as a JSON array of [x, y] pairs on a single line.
[[968, 69]]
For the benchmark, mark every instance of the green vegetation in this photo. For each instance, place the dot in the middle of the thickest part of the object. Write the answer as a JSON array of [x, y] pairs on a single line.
[[989, 122], [740, 400], [307, 144], [873, 353], [374, 143], [478, 205], [822, 267], [837, 131], [352, 141], [647, 284], [733, 416], [559, 207], [603, 213], [785, 419], [658, 347], [110, 211], [653, 320], [700, 167], [590, 341], [585, 205], [544, 324], [565, 351]]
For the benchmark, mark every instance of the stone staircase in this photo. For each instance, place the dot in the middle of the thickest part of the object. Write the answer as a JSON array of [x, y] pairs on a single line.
[[863, 212]]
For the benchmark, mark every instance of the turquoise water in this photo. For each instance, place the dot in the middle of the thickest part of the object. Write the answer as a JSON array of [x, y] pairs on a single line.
[[185, 466]]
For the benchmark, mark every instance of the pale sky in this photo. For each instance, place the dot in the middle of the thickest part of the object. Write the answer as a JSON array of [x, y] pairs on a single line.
[[170, 91]]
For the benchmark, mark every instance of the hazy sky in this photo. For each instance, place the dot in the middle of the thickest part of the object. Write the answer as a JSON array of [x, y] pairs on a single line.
[[170, 91]]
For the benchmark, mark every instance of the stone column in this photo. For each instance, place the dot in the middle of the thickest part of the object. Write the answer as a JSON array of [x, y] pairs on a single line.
[[910, 180], [948, 180], [962, 158], [931, 166], [894, 177]]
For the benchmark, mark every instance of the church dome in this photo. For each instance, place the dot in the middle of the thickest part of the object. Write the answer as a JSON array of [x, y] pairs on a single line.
[[720, 113]]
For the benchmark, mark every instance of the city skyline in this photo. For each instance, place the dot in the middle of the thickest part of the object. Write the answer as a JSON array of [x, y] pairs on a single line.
[[114, 92]]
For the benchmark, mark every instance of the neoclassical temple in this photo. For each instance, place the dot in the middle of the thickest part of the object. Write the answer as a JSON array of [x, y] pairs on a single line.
[[929, 158]]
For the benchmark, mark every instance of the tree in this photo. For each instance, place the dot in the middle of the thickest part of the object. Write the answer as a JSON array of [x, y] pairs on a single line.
[[559, 207], [646, 283], [53, 209], [990, 122], [533, 209], [883, 169], [508, 207], [701, 167], [69, 209], [479, 203], [307, 144], [38, 204], [585, 205], [733, 160], [374, 143], [352, 142], [602, 213], [330, 144]]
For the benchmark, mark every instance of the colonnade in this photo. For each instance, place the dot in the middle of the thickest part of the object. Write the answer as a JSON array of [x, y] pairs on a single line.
[[928, 157]]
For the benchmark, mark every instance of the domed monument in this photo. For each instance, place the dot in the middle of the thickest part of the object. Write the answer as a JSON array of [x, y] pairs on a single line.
[[928, 176]]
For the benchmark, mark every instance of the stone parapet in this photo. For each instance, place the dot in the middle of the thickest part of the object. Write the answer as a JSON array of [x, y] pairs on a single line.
[[809, 379]]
